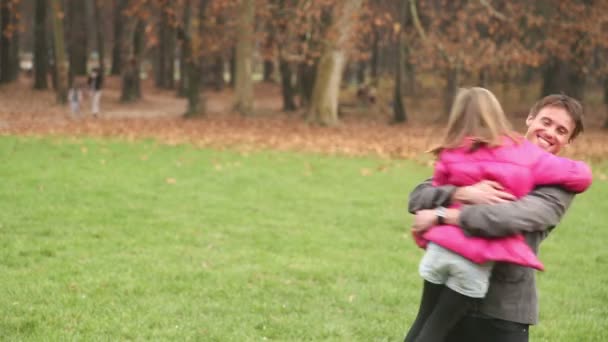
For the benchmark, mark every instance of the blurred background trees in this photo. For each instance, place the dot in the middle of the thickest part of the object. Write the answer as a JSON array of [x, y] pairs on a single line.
[[324, 55]]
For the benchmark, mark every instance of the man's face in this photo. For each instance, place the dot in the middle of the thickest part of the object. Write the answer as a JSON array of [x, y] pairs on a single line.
[[550, 129]]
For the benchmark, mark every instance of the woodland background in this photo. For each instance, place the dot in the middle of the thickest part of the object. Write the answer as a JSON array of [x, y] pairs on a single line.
[[161, 219], [357, 76]]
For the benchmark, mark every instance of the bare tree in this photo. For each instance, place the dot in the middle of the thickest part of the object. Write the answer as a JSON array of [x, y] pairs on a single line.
[[243, 81], [41, 62], [119, 7], [59, 47], [324, 105]]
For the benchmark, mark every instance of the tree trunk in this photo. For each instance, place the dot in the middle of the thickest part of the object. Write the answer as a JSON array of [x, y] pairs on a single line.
[[196, 102], [324, 105], [410, 73], [326, 91], [526, 79], [41, 59], [552, 79], [287, 88], [268, 52], [52, 62], [138, 53], [243, 82], [166, 47], [161, 81], [232, 67], [14, 66], [605, 98], [61, 89], [184, 53], [99, 37], [193, 48], [399, 113], [171, 40], [119, 7], [130, 75], [268, 70], [182, 84], [134, 30], [5, 41], [375, 60], [347, 74], [361, 69], [77, 32], [218, 73], [451, 87], [563, 77], [307, 73]]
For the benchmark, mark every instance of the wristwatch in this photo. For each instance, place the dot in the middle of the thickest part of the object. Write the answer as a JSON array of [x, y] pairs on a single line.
[[440, 212]]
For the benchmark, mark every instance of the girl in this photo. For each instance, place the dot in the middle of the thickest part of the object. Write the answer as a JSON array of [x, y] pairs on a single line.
[[75, 96], [480, 145]]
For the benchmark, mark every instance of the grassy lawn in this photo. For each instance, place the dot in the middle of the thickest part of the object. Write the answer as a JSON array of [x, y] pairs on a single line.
[[108, 240]]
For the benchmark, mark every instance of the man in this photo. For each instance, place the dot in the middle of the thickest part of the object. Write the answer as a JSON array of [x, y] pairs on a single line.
[[511, 304]]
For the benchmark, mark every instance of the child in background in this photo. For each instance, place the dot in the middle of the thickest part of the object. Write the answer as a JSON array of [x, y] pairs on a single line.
[[75, 97], [480, 145]]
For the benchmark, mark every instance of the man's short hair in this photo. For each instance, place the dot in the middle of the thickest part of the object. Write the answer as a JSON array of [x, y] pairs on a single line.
[[569, 104]]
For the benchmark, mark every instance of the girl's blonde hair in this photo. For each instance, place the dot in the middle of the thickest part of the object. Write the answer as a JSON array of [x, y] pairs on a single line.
[[476, 114]]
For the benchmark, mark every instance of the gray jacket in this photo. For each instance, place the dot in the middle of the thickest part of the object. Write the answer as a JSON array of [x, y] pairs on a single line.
[[512, 294]]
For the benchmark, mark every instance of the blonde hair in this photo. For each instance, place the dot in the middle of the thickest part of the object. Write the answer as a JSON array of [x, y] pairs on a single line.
[[476, 114]]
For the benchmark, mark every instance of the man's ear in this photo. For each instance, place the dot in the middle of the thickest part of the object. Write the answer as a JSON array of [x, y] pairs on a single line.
[[529, 119]]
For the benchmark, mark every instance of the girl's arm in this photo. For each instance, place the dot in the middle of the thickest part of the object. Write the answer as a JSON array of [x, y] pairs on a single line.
[[572, 175]]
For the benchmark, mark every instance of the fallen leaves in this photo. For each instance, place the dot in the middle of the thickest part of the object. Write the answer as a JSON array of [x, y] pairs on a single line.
[[277, 132], [25, 112]]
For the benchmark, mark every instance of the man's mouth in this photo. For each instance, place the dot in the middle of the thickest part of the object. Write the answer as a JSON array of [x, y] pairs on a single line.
[[544, 143]]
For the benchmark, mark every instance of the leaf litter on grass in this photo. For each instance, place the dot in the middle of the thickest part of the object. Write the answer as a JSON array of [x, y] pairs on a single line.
[[158, 116]]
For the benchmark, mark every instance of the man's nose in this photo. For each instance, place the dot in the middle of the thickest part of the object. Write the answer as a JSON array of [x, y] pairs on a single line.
[[550, 134]]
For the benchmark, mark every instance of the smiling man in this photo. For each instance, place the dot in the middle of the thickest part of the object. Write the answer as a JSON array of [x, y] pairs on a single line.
[[554, 122], [511, 304]]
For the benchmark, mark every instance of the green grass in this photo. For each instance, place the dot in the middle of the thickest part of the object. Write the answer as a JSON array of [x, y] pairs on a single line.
[[106, 240]]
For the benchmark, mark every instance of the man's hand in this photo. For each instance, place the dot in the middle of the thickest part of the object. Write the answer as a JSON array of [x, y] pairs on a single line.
[[484, 192]]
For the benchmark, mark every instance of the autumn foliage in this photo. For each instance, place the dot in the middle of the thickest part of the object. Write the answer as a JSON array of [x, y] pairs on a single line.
[[317, 53]]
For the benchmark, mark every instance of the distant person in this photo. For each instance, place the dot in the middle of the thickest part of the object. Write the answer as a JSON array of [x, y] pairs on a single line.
[[95, 82], [75, 97], [480, 145]]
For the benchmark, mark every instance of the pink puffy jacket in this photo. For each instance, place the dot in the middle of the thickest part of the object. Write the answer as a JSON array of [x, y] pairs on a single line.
[[518, 167]]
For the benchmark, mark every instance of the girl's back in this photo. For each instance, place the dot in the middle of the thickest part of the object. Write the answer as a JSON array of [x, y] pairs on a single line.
[[518, 166], [495, 153]]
